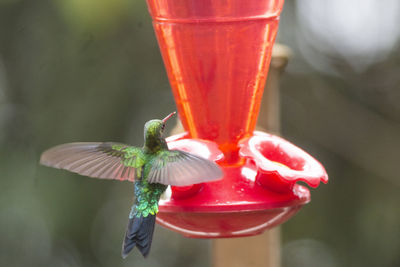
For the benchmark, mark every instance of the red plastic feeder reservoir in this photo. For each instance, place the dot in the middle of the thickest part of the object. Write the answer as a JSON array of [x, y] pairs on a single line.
[[217, 55]]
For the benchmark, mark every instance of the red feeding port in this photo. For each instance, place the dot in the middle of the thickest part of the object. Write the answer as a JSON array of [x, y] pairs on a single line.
[[217, 55], [252, 197]]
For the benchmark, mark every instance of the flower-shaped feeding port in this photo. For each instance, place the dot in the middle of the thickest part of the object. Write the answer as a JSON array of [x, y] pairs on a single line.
[[254, 196], [217, 54], [281, 164]]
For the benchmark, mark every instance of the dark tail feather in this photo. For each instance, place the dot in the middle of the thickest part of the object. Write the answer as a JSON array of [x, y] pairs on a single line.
[[140, 234]]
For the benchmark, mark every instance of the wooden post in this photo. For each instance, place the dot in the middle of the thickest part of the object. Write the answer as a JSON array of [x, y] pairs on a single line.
[[261, 250], [255, 251]]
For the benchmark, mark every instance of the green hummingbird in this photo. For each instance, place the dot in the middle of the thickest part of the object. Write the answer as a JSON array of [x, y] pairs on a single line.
[[152, 168]]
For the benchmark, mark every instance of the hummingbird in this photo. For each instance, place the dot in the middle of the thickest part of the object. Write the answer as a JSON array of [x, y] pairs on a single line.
[[151, 168]]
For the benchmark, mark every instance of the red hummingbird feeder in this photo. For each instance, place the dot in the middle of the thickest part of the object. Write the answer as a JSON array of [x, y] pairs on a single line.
[[217, 55]]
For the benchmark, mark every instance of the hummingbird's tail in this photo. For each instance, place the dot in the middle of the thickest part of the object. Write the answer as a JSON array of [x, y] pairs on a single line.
[[140, 234]]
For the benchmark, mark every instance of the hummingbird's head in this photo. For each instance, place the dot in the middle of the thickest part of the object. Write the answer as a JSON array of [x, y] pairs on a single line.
[[155, 128]]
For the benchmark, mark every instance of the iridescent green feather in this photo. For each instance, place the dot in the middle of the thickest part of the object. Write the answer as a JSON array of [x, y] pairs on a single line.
[[147, 197], [159, 160], [132, 157]]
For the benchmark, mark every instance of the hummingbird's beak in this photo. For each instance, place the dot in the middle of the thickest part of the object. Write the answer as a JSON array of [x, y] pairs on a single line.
[[169, 116]]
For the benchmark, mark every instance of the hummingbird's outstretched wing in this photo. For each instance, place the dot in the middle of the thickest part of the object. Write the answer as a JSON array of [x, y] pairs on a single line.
[[180, 168], [99, 160]]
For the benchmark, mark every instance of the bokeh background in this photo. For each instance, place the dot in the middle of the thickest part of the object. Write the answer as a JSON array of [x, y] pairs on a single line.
[[90, 70]]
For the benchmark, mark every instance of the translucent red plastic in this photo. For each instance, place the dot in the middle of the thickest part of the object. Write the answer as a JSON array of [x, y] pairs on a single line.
[[217, 55], [252, 197]]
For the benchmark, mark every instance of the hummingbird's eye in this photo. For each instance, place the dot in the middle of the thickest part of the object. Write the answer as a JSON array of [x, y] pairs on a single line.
[[162, 127]]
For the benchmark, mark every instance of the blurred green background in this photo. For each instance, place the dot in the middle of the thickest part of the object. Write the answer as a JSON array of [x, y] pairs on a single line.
[[90, 70]]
